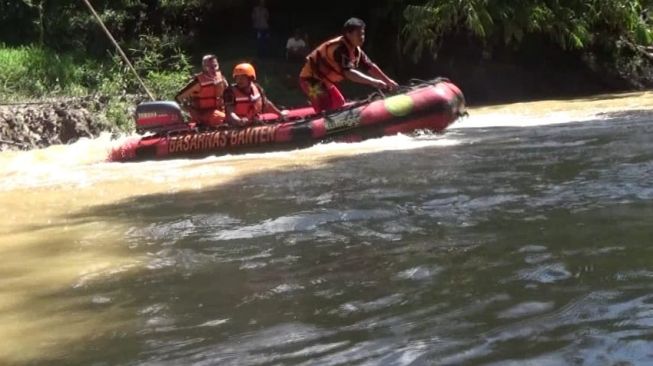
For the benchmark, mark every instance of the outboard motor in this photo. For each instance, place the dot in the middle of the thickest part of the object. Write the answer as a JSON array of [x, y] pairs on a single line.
[[159, 117]]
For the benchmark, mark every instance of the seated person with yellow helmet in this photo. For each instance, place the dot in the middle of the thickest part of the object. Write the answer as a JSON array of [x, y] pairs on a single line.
[[245, 100]]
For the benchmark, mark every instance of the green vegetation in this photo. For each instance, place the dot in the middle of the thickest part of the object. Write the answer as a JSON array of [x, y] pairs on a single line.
[[572, 24], [41, 41], [33, 71], [616, 34]]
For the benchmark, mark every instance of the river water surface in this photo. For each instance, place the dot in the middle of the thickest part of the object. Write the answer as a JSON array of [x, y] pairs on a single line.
[[523, 234]]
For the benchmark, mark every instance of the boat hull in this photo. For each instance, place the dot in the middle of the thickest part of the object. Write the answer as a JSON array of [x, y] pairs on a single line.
[[432, 106]]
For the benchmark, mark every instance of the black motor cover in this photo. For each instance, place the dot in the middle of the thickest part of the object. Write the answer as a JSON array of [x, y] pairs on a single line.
[[159, 117]]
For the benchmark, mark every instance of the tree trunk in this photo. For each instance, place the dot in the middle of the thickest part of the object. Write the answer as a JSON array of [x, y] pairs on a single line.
[[41, 25]]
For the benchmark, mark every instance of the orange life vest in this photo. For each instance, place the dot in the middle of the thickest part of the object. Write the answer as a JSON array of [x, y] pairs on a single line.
[[321, 63], [248, 105], [210, 93]]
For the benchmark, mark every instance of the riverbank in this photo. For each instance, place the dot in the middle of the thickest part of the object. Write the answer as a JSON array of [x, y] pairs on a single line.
[[57, 121], [47, 112]]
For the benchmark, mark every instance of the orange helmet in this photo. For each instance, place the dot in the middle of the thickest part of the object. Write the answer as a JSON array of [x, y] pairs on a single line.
[[245, 69]]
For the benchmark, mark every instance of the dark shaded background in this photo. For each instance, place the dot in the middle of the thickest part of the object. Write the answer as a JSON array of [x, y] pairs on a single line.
[[537, 69]]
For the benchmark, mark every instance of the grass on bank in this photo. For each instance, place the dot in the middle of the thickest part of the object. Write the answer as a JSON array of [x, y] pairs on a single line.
[[34, 73], [27, 72]]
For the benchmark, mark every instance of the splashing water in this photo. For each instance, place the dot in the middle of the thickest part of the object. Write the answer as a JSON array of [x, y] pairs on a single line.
[[519, 235]]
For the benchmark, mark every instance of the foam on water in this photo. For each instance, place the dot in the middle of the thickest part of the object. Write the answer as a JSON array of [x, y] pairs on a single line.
[[521, 120], [82, 164], [450, 254]]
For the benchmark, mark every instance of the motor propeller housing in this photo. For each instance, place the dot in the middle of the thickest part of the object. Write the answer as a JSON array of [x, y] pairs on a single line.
[[159, 117]]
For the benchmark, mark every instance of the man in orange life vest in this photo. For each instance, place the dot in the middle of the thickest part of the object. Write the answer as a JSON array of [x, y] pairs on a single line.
[[245, 100], [202, 97], [337, 60]]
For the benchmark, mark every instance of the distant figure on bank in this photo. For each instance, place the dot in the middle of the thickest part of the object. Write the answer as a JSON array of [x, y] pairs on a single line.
[[202, 97], [245, 100], [296, 47], [261, 25], [337, 60]]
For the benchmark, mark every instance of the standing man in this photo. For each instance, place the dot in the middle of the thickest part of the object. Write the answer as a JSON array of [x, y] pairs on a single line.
[[261, 25], [202, 97], [336, 60]]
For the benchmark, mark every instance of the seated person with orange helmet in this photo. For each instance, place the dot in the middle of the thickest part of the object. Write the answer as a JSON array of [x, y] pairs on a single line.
[[336, 60], [202, 97], [245, 100]]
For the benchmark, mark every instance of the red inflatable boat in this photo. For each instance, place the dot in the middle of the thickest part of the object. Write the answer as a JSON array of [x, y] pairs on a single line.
[[432, 105]]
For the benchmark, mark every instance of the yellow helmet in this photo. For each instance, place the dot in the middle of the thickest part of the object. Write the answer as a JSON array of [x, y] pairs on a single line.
[[245, 69]]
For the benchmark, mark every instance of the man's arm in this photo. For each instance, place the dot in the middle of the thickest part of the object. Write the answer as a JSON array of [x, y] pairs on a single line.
[[376, 72], [268, 106], [229, 106], [359, 77], [187, 92], [348, 66], [232, 117]]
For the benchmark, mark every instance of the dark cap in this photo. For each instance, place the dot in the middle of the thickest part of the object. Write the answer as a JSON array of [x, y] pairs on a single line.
[[353, 24]]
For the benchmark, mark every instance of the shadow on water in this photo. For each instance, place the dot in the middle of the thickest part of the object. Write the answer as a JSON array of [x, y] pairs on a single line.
[[517, 244]]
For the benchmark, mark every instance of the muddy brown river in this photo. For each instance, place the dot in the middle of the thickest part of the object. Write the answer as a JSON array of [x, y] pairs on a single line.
[[523, 235]]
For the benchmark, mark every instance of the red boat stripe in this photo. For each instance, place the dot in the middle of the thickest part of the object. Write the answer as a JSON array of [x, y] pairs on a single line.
[[162, 148], [318, 128], [284, 133]]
